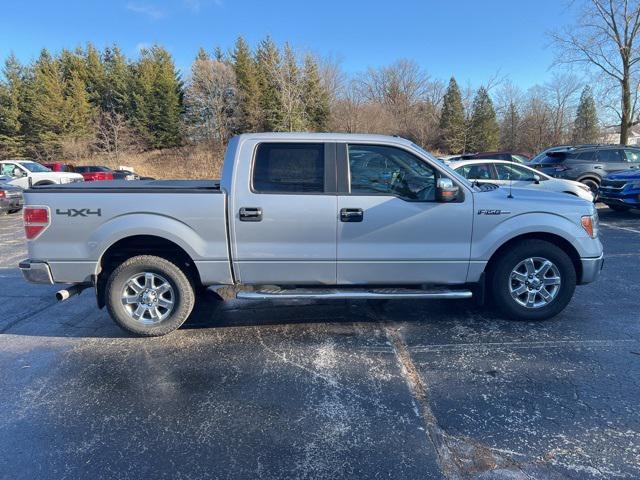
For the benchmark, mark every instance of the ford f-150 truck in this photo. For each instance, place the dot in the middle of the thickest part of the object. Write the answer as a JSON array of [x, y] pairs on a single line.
[[311, 216]]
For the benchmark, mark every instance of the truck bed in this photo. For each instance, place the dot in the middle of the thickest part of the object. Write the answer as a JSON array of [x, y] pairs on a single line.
[[134, 186]]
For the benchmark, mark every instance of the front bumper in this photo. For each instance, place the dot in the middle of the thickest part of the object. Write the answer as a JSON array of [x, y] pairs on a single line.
[[626, 199], [591, 269], [36, 272]]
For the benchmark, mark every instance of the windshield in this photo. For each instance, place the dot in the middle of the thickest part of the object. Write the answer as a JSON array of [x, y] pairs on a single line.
[[34, 167], [449, 170]]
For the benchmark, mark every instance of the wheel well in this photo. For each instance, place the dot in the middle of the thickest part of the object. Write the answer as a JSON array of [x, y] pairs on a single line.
[[557, 240], [142, 245]]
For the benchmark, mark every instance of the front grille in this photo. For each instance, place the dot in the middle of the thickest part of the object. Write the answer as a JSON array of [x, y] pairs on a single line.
[[613, 184]]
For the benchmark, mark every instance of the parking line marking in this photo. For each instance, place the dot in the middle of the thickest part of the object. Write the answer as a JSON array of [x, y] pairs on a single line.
[[627, 229]]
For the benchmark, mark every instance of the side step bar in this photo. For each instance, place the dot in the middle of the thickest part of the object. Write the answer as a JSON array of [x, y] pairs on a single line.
[[354, 294]]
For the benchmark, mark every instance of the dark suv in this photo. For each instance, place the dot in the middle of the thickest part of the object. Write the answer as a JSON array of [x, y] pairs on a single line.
[[589, 164]]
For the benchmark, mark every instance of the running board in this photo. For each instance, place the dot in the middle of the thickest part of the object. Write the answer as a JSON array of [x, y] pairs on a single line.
[[354, 294]]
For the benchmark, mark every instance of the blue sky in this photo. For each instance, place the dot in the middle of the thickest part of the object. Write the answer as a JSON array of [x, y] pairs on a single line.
[[469, 39]]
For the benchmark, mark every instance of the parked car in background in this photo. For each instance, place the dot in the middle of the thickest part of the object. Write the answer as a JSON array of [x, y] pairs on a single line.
[[93, 173], [620, 191], [59, 167], [589, 164], [10, 196], [508, 156], [121, 174], [504, 173], [24, 173], [447, 159]]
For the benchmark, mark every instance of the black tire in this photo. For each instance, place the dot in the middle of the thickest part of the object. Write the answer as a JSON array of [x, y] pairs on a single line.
[[592, 184], [618, 208], [500, 280], [182, 295]]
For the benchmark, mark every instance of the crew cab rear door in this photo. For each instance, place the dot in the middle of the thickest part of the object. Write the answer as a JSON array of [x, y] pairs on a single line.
[[391, 229], [284, 214]]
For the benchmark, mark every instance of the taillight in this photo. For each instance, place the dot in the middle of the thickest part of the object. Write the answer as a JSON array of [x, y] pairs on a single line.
[[36, 221], [3, 194]]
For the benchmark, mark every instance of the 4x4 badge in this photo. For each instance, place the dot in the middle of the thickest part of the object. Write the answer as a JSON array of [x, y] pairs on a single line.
[[79, 212]]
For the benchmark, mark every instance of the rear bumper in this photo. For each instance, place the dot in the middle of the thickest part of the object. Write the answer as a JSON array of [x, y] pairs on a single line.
[[591, 269], [36, 272], [9, 204]]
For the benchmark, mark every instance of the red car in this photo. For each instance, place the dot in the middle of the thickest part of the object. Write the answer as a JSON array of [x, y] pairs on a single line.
[[60, 167], [94, 173]]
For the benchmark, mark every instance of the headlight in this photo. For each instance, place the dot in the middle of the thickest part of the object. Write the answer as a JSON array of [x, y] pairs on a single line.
[[66, 180], [584, 187], [591, 224]]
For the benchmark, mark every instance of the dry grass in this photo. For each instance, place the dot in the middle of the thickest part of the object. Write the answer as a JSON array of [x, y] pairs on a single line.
[[199, 161]]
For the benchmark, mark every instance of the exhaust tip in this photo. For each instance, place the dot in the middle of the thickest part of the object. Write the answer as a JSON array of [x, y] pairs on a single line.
[[62, 295]]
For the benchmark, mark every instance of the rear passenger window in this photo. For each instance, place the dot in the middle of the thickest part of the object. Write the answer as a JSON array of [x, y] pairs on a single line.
[[589, 156], [632, 155], [609, 156], [289, 168]]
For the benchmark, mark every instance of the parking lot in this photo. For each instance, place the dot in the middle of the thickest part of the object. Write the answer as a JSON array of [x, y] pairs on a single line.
[[295, 389]]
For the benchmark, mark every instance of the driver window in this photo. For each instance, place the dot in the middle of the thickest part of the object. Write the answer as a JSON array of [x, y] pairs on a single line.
[[383, 170], [514, 172]]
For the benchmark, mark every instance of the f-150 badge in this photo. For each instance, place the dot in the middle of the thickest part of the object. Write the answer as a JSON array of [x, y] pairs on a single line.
[[485, 211]]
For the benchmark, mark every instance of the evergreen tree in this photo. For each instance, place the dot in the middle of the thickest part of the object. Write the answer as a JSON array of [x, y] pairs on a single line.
[[94, 76], [452, 120], [116, 95], [510, 128], [315, 97], [248, 88], [11, 135], [202, 55], [484, 130], [46, 107], [585, 126], [269, 66], [79, 113], [290, 89], [157, 98]]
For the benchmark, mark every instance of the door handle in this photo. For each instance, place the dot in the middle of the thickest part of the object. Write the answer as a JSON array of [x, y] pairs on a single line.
[[250, 214], [351, 215]]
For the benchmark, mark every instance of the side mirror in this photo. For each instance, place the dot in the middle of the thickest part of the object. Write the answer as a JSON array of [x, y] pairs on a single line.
[[17, 173], [446, 190], [536, 179]]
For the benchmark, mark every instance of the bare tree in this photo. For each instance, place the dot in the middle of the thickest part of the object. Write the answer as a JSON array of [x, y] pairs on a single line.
[[113, 135], [211, 101], [562, 94], [605, 38]]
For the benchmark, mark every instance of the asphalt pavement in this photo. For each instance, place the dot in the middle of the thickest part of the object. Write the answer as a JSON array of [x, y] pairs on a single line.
[[324, 389]]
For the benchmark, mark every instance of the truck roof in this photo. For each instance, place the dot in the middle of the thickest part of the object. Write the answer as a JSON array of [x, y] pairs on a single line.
[[325, 137]]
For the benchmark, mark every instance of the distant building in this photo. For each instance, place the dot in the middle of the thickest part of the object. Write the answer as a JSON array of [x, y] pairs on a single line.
[[612, 135]]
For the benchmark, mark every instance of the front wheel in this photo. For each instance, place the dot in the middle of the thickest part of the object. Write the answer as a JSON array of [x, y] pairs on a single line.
[[149, 296], [534, 280]]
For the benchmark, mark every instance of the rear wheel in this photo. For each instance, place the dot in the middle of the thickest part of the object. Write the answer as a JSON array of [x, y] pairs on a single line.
[[149, 296], [534, 280]]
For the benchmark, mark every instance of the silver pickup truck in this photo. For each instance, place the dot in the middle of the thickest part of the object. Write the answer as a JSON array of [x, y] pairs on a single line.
[[311, 216]]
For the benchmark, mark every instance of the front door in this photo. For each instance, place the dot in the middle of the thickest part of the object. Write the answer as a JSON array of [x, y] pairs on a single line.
[[391, 229], [284, 218]]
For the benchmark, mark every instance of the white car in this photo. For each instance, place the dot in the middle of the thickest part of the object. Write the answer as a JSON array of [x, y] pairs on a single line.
[[501, 172], [25, 173]]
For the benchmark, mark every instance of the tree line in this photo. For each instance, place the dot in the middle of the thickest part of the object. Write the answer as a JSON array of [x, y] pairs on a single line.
[[85, 101]]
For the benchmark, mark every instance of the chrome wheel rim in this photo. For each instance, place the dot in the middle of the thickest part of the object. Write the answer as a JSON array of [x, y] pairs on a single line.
[[148, 298], [534, 282]]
